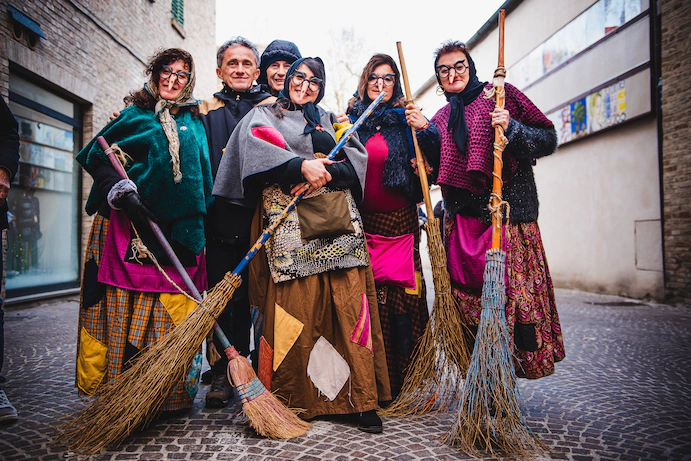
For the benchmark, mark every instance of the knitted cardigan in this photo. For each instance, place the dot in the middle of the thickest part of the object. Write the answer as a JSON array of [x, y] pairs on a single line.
[[466, 180]]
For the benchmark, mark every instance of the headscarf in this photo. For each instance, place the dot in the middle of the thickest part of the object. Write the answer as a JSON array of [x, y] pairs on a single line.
[[162, 110], [278, 50], [309, 110], [457, 125]]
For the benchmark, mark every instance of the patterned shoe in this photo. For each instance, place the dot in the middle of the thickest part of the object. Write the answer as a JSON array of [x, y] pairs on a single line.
[[8, 414]]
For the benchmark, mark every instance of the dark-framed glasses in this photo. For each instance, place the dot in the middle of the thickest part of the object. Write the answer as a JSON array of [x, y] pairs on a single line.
[[182, 76], [299, 78], [460, 67], [387, 79]]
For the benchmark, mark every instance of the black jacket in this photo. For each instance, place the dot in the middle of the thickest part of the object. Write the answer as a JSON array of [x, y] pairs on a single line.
[[225, 222], [9, 150]]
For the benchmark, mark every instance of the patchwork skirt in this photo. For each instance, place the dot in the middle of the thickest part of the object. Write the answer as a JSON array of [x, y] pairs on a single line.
[[115, 324]]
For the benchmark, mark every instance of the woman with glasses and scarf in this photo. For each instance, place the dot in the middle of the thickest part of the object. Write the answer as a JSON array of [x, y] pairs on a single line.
[[321, 347], [126, 303], [389, 208], [464, 172]]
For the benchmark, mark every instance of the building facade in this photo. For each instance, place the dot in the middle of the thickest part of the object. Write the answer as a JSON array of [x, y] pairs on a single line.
[[65, 66], [593, 67]]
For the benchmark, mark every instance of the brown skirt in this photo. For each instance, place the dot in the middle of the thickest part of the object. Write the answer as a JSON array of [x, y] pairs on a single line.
[[338, 307]]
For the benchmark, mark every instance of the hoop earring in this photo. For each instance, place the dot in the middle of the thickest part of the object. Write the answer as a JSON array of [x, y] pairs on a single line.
[[440, 90]]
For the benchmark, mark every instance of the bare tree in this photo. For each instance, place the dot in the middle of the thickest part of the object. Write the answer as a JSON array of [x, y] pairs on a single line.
[[344, 61]]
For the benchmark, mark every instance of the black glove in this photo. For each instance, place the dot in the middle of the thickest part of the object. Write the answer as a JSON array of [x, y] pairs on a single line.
[[134, 208]]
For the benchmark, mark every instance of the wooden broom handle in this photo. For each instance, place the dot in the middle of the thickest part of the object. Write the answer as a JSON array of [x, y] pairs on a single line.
[[497, 182], [421, 164]]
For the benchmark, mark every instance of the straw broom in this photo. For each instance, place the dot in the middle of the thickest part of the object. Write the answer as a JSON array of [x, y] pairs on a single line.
[[490, 416], [135, 398], [441, 356]]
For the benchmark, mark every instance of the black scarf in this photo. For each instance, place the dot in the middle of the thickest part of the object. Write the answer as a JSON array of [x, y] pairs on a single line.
[[309, 110], [458, 101]]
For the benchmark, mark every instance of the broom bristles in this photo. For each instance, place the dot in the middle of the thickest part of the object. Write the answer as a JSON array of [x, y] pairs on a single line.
[[491, 416], [267, 415], [440, 358], [133, 399]]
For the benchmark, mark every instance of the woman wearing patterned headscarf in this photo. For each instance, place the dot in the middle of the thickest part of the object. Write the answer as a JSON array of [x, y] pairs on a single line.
[[127, 304], [464, 171], [389, 208], [321, 347]]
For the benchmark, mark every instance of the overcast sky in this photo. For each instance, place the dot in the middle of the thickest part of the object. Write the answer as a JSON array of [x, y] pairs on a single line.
[[377, 24]]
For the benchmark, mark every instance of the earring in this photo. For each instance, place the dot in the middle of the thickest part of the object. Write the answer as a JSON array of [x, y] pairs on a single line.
[[440, 90]]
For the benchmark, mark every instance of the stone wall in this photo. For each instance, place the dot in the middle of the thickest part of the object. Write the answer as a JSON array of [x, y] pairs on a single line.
[[676, 154], [95, 52]]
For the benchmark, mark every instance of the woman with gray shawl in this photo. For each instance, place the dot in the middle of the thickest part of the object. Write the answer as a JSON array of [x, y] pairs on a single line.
[[321, 347]]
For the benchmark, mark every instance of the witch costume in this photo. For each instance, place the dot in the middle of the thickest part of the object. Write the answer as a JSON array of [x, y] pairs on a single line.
[[390, 219], [126, 304], [465, 175], [321, 348]]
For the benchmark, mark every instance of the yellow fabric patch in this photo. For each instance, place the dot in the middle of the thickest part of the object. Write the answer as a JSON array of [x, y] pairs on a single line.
[[287, 329], [178, 306], [91, 362], [418, 285], [340, 129]]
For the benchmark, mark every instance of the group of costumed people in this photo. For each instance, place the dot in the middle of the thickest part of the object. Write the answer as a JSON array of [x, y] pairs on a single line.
[[337, 296]]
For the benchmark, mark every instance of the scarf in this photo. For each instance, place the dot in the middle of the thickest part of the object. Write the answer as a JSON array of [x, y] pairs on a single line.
[[309, 110], [170, 128], [457, 124]]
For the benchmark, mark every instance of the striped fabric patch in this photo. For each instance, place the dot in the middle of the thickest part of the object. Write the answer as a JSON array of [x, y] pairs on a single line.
[[362, 334]]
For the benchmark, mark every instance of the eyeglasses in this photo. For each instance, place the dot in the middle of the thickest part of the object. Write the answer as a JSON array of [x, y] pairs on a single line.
[[460, 68], [388, 79], [313, 84], [182, 76]]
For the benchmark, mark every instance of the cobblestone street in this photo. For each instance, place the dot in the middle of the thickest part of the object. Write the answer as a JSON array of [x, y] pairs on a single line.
[[622, 393]]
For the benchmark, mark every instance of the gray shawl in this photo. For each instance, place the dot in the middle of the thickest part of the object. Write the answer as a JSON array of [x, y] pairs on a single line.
[[262, 141]]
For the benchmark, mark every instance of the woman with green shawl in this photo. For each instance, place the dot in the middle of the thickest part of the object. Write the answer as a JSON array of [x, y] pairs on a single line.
[[127, 303]]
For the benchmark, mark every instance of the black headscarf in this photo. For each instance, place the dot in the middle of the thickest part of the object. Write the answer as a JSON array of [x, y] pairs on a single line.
[[458, 101], [309, 110]]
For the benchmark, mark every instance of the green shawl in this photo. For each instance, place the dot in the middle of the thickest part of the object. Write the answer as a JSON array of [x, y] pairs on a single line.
[[139, 134]]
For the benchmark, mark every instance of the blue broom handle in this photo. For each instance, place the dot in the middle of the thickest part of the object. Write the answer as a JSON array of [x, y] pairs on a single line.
[[291, 206]]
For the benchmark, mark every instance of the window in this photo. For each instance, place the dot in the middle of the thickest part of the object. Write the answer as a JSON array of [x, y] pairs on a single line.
[[178, 11], [44, 212]]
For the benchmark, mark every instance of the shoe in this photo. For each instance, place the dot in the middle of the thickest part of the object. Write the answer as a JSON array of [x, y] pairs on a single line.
[[8, 414], [207, 376], [370, 422], [220, 392], [2, 379]]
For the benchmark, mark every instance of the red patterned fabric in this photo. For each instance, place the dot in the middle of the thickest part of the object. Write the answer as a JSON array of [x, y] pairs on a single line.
[[473, 171], [530, 299]]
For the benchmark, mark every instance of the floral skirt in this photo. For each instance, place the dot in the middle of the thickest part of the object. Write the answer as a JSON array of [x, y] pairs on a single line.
[[531, 310]]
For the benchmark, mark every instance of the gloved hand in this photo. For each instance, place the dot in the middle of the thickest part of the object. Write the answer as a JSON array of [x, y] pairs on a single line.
[[134, 208]]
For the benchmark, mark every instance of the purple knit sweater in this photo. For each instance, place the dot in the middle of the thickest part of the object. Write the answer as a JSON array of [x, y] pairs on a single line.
[[473, 171]]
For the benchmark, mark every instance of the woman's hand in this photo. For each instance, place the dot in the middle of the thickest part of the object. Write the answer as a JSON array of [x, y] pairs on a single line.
[[342, 118], [315, 172], [414, 117], [500, 117], [299, 188]]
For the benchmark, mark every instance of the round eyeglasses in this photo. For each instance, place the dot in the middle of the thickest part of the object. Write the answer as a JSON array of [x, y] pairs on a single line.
[[182, 76], [460, 67], [299, 78], [388, 79]]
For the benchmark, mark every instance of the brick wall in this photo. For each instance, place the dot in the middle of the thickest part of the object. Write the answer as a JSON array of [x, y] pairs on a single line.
[[676, 154], [94, 52]]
